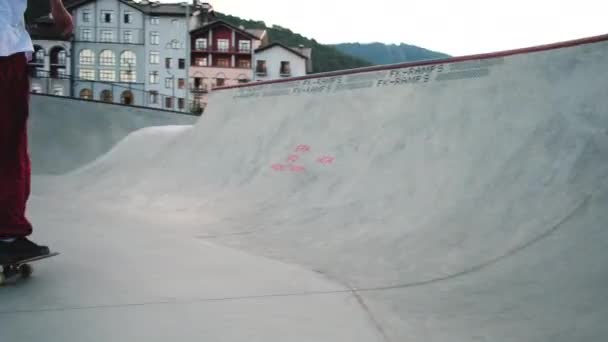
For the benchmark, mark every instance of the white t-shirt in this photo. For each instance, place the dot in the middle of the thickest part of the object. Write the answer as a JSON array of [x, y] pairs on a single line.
[[14, 38]]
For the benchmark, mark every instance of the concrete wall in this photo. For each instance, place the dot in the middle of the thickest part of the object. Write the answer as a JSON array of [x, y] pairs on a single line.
[[66, 133]]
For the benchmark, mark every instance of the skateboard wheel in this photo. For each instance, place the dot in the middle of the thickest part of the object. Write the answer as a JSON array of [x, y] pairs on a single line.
[[26, 270]]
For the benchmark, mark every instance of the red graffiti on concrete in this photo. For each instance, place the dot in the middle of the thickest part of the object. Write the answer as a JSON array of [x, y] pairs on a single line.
[[297, 168], [303, 148], [326, 160], [293, 158], [279, 167]]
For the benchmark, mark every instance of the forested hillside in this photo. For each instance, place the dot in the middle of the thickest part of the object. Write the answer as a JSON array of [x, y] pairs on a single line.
[[378, 53]]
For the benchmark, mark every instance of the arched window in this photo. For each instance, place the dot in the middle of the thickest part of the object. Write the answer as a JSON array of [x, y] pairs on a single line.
[[86, 94], [38, 55], [107, 58], [242, 78], [62, 57], [106, 96], [128, 62], [58, 56], [58, 62], [126, 97], [128, 59], [86, 57]]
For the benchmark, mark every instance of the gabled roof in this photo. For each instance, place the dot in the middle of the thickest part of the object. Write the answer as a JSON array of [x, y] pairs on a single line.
[[220, 22], [162, 8], [69, 4], [148, 7], [260, 33], [276, 44]]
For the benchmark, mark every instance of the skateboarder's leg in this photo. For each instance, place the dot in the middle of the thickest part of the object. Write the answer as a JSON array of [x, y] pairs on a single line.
[[14, 158]]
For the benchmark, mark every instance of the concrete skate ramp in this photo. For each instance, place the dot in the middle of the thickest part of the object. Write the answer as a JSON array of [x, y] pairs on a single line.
[[67, 133], [457, 200]]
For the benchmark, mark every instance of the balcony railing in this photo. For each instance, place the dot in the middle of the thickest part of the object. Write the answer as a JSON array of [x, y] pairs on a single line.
[[199, 89], [216, 49], [222, 66], [59, 62]]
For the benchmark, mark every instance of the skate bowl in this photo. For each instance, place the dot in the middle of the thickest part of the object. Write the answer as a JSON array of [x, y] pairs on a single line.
[[68, 133], [452, 200]]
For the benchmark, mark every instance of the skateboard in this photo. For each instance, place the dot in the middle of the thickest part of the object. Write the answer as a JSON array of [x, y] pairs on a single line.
[[21, 268]]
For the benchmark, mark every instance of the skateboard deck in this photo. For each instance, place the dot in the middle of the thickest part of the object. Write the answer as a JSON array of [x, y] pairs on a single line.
[[22, 268]]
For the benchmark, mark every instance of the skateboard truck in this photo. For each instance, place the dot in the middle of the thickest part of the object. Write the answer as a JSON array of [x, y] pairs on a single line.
[[23, 268]]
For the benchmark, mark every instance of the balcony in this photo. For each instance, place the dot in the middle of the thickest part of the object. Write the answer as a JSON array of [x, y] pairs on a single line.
[[37, 61], [228, 66], [201, 89], [60, 62], [37, 72], [216, 49]]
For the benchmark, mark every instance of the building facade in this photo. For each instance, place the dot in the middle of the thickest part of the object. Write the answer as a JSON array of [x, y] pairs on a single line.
[[147, 53], [277, 61], [50, 67], [109, 51], [221, 55], [122, 51], [166, 31]]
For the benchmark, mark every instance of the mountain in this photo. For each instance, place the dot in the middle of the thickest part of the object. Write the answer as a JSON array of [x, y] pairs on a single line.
[[324, 57], [378, 53]]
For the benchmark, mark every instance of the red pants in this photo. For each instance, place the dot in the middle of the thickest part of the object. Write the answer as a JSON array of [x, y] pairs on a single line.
[[14, 157]]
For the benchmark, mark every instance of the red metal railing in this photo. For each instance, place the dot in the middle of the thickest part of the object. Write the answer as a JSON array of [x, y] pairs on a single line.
[[215, 49]]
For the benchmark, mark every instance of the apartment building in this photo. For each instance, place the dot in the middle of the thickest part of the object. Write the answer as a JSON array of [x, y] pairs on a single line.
[[221, 55], [166, 30], [109, 51], [122, 51]]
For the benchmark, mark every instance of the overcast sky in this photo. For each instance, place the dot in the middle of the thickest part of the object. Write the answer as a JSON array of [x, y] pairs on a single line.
[[456, 27]]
